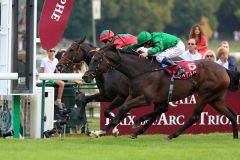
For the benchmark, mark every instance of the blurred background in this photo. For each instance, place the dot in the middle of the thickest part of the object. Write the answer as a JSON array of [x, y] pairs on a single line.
[[220, 19]]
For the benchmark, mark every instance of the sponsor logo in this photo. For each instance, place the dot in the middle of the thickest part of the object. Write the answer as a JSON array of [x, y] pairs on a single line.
[[173, 120], [56, 15], [188, 100]]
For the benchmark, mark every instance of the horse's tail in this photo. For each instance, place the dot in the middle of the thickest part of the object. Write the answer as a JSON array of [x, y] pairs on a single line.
[[234, 80]]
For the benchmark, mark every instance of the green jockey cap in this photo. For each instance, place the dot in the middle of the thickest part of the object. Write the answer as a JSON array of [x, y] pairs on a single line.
[[143, 37]]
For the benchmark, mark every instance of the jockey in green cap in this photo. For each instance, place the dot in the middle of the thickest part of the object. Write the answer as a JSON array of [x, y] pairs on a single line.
[[163, 46]]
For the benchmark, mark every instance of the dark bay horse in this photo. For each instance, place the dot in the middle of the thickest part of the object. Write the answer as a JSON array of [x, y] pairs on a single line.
[[110, 90], [113, 85], [150, 85]]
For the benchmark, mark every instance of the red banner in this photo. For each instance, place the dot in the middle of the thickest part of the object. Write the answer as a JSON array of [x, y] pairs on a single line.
[[179, 112], [53, 21]]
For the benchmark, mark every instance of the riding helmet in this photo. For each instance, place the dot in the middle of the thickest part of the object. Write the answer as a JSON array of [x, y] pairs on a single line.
[[106, 34], [143, 37]]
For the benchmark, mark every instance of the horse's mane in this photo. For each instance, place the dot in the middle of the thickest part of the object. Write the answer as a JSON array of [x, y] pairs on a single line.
[[151, 61], [113, 48]]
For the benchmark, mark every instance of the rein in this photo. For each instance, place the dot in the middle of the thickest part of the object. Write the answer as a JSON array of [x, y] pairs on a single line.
[[115, 67]]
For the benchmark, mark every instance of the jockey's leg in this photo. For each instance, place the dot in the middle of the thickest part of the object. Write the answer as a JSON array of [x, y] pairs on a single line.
[[170, 63], [175, 51]]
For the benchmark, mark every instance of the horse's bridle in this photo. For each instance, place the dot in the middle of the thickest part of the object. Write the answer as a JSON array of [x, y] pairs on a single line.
[[109, 65], [70, 62]]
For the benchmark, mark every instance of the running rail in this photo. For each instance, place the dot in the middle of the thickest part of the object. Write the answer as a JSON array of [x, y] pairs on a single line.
[[60, 76], [8, 76]]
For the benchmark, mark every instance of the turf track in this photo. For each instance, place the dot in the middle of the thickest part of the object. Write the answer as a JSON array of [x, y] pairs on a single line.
[[201, 147]]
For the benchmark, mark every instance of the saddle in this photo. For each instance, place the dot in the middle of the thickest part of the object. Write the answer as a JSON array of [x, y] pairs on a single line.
[[189, 66]]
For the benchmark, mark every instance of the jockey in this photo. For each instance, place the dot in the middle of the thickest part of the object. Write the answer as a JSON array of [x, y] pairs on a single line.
[[163, 46], [121, 40]]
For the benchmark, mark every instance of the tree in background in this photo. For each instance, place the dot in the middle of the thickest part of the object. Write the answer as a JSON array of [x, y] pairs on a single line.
[[80, 22], [172, 16], [134, 16], [228, 16], [126, 16], [189, 12]]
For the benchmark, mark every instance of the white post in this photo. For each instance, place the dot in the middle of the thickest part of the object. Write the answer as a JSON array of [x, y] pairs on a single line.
[[96, 14]]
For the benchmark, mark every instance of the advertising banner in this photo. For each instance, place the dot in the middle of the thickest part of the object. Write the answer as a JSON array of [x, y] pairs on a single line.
[[178, 113], [53, 20]]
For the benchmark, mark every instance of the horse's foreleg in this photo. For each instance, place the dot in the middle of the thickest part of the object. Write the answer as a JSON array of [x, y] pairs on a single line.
[[158, 110], [194, 118], [123, 109], [117, 101], [96, 98]]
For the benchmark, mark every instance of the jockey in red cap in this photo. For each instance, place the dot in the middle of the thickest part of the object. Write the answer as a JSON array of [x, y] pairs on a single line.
[[121, 40]]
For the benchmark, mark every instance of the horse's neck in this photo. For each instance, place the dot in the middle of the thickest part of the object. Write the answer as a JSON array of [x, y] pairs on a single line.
[[133, 66], [88, 56]]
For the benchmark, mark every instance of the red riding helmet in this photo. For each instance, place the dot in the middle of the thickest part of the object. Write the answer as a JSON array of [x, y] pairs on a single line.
[[106, 34]]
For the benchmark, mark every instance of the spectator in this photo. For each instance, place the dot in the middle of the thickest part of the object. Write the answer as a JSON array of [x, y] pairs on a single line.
[[48, 65], [210, 55], [229, 62], [231, 59], [225, 44], [191, 54], [196, 32], [121, 40]]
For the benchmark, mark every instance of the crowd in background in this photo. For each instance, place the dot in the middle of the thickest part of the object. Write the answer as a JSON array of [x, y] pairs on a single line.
[[197, 48]]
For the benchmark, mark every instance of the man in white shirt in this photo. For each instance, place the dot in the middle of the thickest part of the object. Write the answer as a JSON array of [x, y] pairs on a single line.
[[48, 65], [191, 54]]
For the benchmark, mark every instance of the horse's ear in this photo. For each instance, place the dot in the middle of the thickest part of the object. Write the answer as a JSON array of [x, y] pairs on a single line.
[[82, 39]]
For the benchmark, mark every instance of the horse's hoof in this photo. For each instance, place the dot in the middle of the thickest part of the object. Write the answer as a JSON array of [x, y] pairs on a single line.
[[167, 138], [112, 115], [93, 134], [115, 132], [133, 136]]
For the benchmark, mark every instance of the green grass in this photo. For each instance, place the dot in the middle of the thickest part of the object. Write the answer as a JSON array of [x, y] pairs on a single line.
[[200, 147]]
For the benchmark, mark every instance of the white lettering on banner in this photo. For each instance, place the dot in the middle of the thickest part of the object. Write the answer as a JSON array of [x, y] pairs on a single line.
[[205, 119], [188, 100], [58, 10]]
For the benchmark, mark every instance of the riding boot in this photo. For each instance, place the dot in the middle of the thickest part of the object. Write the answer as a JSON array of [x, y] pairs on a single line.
[[171, 63]]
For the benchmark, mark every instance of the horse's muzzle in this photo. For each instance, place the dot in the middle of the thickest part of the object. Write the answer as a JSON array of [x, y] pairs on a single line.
[[88, 77]]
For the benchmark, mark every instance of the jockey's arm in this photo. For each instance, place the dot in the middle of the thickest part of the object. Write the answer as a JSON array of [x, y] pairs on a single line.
[[158, 47]]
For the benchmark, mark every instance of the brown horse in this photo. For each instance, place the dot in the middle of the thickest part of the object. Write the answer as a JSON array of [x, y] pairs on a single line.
[[112, 92], [113, 85], [149, 84]]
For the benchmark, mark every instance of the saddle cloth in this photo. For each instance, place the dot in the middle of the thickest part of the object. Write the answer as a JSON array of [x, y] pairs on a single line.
[[189, 66]]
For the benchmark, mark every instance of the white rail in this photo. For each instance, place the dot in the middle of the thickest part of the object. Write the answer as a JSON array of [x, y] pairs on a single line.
[[60, 76], [8, 76]]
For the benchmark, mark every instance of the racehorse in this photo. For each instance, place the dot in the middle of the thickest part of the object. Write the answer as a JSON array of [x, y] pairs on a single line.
[[109, 91], [149, 84], [113, 85]]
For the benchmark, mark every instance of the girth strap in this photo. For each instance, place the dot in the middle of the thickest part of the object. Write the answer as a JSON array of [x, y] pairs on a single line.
[[170, 91]]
